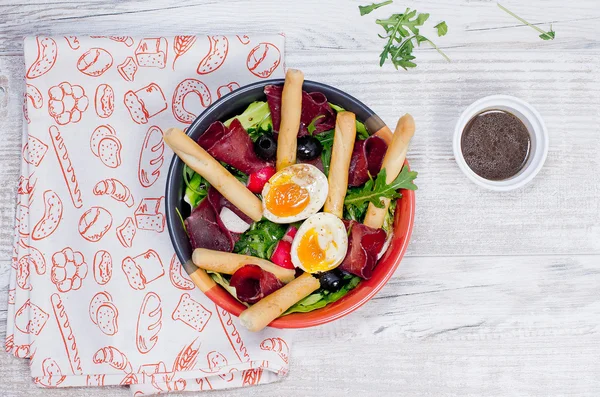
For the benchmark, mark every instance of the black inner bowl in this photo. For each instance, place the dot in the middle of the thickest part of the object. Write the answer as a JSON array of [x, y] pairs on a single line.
[[226, 107]]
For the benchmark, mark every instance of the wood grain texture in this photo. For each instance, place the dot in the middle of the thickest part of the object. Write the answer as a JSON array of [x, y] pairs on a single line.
[[499, 292]]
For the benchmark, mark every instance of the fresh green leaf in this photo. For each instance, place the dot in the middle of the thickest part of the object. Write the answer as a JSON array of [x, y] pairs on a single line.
[[196, 187], [374, 192], [260, 240], [442, 28], [322, 298], [255, 115], [361, 130], [326, 139], [311, 127], [336, 107], [223, 281], [239, 175], [388, 222], [182, 221], [543, 34], [364, 10]]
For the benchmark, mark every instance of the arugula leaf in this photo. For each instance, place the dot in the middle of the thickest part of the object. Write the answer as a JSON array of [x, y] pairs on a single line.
[[239, 175], [361, 130], [544, 35], [364, 10], [388, 222], [402, 30], [442, 28], [326, 139], [374, 191], [260, 240], [322, 298], [311, 127], [196, 187], [336, 107]]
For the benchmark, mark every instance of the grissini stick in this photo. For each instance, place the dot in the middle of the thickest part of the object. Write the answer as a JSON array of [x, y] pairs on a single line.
[[259, 315], [341, 154], [393, 161], [291, 110], [374, 123], [228, 263], [210, 169]]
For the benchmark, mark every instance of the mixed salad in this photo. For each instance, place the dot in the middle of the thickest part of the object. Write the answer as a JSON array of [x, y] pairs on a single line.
[[320, 212]]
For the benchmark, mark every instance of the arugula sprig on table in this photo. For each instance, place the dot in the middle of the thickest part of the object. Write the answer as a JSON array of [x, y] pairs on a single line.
[[402, 33], [543, 34], [364, 10]]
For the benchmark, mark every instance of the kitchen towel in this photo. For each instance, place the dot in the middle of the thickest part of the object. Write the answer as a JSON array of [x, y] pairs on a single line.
[[97, 295]]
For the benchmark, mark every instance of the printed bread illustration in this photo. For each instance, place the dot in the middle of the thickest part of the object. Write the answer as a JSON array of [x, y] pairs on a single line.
[[67, 102], [128, 69], [66, 333], [126, 232], [152, 53], [34, 150], [191, 313], [53, 210], [186, 87], [219, 47], [187, 357], [35, 98], [66, 167], [263, 60], [94, 380], [235, 339], [177, 276], [244, 39], [102, 267], [145, 103], [181, 45], [115, 189], [104, 101], [68, 269], [94, 224], [278, 346], [127, 40], [142, 269], [95, 62], [151, 157], [98, 300], [34, 257], [251, 376], [46, 57], [113, 357], [106, 146], [22, 222], [73, 42], [104, 314], [52, 374], [227, 88], [30, 318], [148, 215], [149, 323], [23, 272]]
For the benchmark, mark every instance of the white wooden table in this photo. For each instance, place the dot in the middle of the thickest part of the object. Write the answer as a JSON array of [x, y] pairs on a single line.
[[499, 294]]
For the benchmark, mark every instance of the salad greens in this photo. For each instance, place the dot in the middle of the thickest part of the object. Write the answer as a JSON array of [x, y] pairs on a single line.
[[374, 191], [256, 119], [364, 10], [260, 240], [326, 139], [196, 187], [223, 281], [442, 28], [549, 35], [322, 298]]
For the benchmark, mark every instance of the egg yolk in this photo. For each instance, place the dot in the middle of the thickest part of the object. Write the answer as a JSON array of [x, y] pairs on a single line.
[[310, 253], [287, 199]]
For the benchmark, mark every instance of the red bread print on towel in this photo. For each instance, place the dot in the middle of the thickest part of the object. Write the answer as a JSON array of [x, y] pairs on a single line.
[[53, 211], [52, 374], [115, 189], [64, 160], [106, 146], [34, 150], [227, 88], [114, 357], [104, 101], [152, 53], [216, 361], [23, 219], [67, 102], [9, 343], [73, 42], [148, 215], [35, 97], [204, 384], [251, 376], [142, 269], [102, 267], [278, 346], [94, 62], [30, 318], [186, 87], [126, 232], [98, 300], [181, 45], [26, 186], [127, 40], [145, 103], [23, 272], [68, 269], [244, 39], [11, 296], [46, 57], [128, 69], [151, 157], [263, 60], [66, 333], [104, 313], [94, 224], [235, 339], [22, 351], [94, 380], [149, 323], [177, 276], [191, 313], [187, 357], [34, 257], [219, 47]]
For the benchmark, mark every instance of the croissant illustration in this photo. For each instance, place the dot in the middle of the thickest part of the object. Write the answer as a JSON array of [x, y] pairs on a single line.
[[115, 189]]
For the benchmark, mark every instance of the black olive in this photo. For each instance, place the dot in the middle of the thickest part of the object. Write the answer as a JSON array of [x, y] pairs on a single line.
[[332, 280], [309, 148], [266, 147]]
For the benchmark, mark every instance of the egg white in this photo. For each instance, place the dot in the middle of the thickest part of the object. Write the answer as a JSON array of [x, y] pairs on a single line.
[[307, 176]]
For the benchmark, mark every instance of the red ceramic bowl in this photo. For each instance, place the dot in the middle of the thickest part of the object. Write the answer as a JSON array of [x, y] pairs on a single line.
[[234, 103]]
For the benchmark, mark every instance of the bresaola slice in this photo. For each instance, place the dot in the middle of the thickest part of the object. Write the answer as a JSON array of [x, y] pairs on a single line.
[[364, 244], [314, 104], [366, 160], [252, 283], [233, 146]]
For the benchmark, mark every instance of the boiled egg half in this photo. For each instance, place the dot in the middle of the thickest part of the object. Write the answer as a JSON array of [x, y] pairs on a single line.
[[320, 244], [294, 193]]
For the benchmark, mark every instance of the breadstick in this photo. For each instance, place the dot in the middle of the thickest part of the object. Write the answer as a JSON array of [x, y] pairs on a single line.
[[228, 263], [210, 169], [343, 144], [393, 163], [291, 109], [259, 315], [374, 123]]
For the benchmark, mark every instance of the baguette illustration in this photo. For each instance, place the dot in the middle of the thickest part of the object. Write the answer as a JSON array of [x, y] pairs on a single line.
[[149, 323], [235, 339], [66, 333], [66, 167], [151, 157], [115, 189]]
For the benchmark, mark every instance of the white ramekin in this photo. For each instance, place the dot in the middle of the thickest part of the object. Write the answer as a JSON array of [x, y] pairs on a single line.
[[534, 123]]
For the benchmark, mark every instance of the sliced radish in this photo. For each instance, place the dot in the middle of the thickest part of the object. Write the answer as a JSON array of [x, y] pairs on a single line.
[[232, 221]]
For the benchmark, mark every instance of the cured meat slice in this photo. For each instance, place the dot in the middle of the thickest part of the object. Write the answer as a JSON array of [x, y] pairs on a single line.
[[366, 160], [253, 283], [364, 244]]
